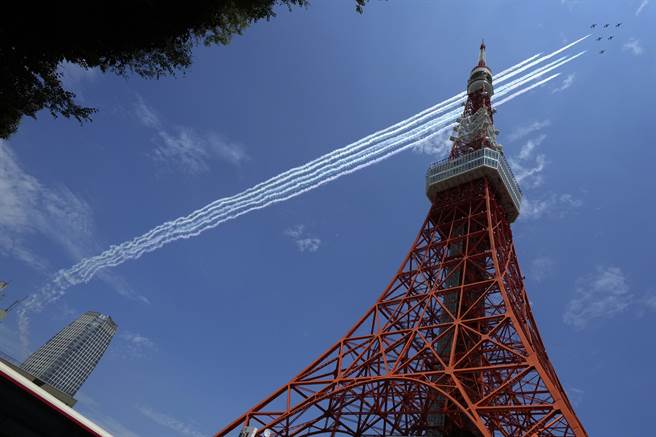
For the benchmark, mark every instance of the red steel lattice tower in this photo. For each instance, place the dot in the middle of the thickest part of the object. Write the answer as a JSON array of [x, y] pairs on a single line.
[[451, 347]]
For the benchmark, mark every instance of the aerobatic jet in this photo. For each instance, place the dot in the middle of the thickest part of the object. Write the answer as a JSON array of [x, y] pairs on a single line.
[[592, 26], [598, 38], [610, 37], [618, 24], [606, 25], [601, 52]]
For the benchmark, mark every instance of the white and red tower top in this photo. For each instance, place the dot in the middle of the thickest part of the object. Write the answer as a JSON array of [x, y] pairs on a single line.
[[475, 152], [475, 129]]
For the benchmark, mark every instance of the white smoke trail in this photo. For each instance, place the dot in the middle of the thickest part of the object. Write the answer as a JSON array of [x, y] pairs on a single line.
[[516, 71], [296, 172], [215, 214], [134, 248], [292, 183], [211, 210], [114, 262], [362, 165], [217, 217], [436, 109]]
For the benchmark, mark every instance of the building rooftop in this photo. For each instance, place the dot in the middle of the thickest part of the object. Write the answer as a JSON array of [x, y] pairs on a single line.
[[29, 410]]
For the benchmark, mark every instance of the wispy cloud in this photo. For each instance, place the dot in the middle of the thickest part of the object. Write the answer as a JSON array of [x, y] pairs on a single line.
[[523, 131], [633, 46], [570, 3], [602, 294], [121, 286], [437, 146], [9, 342], [575, 395], [146, 115], [650, 301], [553, 205], [530, 175], [137, 345], [304, 242], [30, 208], [170, 422], [185, 148], [93, 409], [74, 76], [528, 171], [541, 267], [642, 6], [566, 83], [527, 149]]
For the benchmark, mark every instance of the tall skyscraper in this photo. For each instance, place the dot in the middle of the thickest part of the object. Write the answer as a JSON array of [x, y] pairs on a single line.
[[68, 358]]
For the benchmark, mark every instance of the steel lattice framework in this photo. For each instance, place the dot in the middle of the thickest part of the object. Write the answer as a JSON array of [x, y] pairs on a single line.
[[450, 348]]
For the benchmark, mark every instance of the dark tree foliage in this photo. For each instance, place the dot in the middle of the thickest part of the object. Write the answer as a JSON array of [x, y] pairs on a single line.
[[148, 37]]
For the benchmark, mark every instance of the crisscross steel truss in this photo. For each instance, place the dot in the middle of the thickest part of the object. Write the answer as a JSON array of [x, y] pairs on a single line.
[[449, 349]]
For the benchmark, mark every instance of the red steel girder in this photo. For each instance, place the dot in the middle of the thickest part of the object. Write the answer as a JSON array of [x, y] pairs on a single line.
[[449, 348]]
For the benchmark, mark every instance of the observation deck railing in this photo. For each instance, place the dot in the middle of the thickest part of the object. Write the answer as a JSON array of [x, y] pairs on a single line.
[[485, 162]]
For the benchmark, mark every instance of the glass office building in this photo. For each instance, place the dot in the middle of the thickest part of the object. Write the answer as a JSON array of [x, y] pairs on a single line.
[[68, 358]]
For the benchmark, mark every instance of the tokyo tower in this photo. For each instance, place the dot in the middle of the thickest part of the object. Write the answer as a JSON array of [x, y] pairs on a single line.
[[450, 348]]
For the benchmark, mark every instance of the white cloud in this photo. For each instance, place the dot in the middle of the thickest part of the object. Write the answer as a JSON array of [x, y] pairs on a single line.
[[120, 286], [9, 342], [555, 205], [566, 83], [575, 395], [527, 149], [438, 145], [169, 422], [92, 408], [523, 131], [529, 175], [541, 267], [146, 115], [650, 302], [603, 294], [304, 242], [570, 3], [137, 344], [633, 46], [184, 148], [642, 6], [74, 76], [29, 208]]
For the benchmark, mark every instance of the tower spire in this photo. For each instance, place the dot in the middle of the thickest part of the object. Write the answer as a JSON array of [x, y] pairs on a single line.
[[481, 55], [475, 129]]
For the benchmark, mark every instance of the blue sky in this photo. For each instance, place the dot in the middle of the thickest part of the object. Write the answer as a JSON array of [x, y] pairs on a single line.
[[210, 325]]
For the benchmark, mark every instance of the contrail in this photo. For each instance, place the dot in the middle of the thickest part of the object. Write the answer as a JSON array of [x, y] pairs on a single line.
[[110, 262], [132, 251], [294, 173], [374, 148], [126, 249], [361, 165], [215, 214], [211, 210]]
